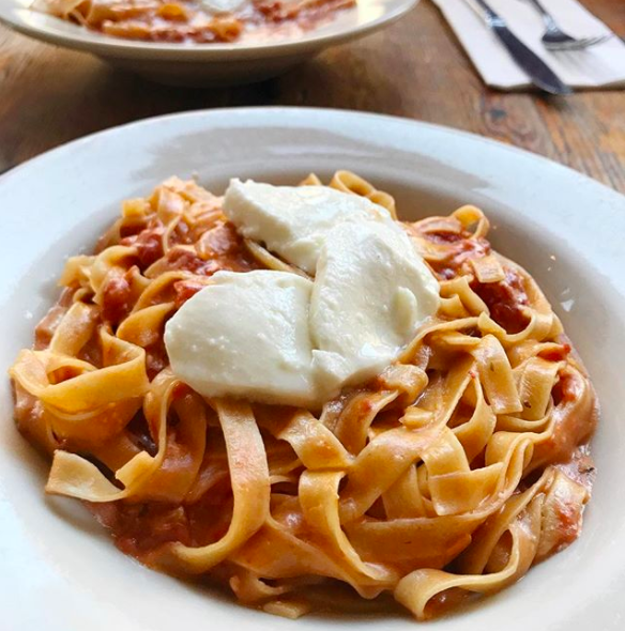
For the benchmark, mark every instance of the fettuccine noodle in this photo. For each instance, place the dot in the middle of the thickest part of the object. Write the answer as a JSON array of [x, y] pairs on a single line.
[[195, 21], [450, 474]]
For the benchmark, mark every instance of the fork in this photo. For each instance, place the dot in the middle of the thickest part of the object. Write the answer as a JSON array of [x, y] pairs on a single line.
[[556, 39]]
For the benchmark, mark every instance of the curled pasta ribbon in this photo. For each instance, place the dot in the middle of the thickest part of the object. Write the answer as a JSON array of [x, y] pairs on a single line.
[[283, 461], [535, 379], [470, 216], [475, 433], [467, 223], [469, 301], [411, 350], [144, 327], [249, 477], [80, 402], [249, 588], [476, 558], [276, 552], [167, 476], [123, 376], [74, 330], [563, 497], [113, 261], [572, 420], [311, 180], [490, 564], [439, 401], [496, 376], [318, 494], [184, 448], [379, 465], [74, 476], [287, 608], [60, 8], [315, 445], [160, 289], [168, 201], [408, 380], [432, 541], [354, 422], [454, 487], [488, 269], [349, 182], [77, 272], [417, 589], [273, 599]]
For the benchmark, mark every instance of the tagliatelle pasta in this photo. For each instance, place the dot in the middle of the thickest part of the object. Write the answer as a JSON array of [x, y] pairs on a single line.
[[448, 475], [195, 21]]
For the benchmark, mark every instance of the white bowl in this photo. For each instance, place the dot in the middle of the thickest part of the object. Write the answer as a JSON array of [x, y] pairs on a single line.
[[199, 65], [60, 571]]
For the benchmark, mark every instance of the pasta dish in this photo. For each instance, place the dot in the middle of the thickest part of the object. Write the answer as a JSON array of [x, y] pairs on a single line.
[[195, 21], [329, 475]]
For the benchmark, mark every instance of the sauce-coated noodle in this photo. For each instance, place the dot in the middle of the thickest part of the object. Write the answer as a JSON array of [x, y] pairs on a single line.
[[196, 21]]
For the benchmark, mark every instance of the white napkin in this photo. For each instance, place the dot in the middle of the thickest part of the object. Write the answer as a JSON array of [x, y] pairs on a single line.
[[599, 66]]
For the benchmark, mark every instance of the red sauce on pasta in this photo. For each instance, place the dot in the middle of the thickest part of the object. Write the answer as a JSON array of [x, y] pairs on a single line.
[[190, 22], [506, 301]]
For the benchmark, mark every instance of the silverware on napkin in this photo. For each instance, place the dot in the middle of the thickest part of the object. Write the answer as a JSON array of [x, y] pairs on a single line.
[[536, 69], [556, 39]]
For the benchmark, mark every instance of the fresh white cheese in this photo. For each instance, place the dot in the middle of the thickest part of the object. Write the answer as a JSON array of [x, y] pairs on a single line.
[[371, 292], [222, 6], [295, 221], [276, 337], [246, 335]]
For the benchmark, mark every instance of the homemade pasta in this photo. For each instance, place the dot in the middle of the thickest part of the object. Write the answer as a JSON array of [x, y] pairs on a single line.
[[195, 21], [448, 475]]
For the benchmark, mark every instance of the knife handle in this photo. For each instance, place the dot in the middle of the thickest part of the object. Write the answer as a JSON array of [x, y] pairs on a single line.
[[492, 18]]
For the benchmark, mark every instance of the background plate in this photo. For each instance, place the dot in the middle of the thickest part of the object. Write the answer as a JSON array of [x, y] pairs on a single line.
[[205, 64]]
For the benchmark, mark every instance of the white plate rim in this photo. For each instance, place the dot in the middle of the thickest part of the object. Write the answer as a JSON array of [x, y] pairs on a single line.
[[275, 112]]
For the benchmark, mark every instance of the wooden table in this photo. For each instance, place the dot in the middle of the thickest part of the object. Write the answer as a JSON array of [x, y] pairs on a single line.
[[415, 68]]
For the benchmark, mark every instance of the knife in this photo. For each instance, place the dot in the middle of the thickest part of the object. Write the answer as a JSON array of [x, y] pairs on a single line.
[[540, 74]]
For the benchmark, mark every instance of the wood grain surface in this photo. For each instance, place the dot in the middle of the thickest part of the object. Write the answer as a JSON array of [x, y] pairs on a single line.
[[415, 69]]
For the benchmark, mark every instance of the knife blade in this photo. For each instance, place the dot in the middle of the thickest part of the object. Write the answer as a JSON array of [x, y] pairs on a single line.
[[540, 74]]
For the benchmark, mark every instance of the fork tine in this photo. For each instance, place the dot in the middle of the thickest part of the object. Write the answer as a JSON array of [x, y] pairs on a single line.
[[577, 44], [585, 42], [600, 39]]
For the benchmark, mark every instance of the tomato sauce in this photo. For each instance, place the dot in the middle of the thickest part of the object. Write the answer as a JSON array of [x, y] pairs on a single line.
[[189, 22], [505, 300]]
